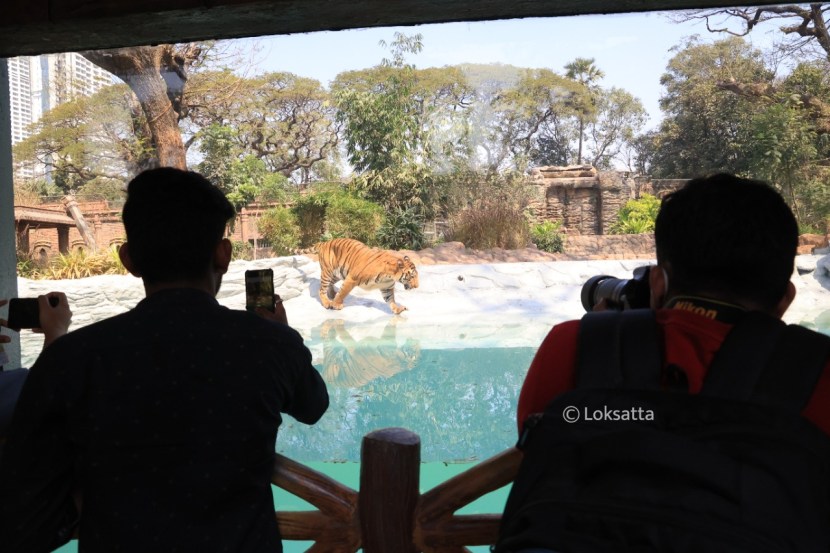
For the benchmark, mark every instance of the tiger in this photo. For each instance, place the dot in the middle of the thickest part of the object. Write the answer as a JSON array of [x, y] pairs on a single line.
[[356, 264]]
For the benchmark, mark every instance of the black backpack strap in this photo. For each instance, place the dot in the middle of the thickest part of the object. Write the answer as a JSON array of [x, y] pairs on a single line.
[[765, 361], [793, 370], [619, 349], [741, 359]]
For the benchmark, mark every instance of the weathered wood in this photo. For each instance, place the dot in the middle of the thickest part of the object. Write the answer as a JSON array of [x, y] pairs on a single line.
[[74, 211], [335, 527], [389, 479], [436, 528], [44, 26], [460, 530], [325, 493], [485, 477]]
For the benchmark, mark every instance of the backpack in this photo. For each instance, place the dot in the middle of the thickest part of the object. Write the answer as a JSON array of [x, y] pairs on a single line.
[[734, 468]]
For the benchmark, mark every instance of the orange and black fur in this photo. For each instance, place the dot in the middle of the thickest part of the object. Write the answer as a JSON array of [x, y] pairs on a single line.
[[359, 265]]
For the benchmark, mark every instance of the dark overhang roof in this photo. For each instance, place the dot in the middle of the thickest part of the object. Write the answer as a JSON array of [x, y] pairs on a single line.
[[29, 27]]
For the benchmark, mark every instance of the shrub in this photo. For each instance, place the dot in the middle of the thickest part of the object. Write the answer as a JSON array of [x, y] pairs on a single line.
[[547, 237], [637, 216], [26, 267], [80, 264], [242, 250], [402, 230], [492, 225], [351, 217], [279, 227], [310, 215], [331, 212]]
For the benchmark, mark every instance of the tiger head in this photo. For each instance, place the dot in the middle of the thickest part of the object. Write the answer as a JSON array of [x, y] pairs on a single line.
[[408, 273]]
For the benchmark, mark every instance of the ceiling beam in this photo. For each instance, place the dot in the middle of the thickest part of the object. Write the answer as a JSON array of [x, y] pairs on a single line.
[[30, 27]]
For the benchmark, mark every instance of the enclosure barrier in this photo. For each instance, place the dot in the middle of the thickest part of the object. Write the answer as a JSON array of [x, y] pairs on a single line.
[[389, 513]]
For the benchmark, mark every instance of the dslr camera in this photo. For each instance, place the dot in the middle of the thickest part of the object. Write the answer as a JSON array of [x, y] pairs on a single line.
[[619, 293]]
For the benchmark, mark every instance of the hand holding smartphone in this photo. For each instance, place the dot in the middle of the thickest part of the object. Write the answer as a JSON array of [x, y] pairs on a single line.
[[25, 312], [259, 289]]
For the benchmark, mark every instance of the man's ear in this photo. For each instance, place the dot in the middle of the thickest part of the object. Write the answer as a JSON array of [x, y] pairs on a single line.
[[126, 260], [222, 256], [784, 303], [658, 286]]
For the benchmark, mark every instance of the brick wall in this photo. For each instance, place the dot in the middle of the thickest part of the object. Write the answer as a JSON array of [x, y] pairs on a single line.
[[105, 224]]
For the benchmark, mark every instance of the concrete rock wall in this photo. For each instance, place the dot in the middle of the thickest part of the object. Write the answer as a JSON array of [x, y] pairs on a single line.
[[584, 199]]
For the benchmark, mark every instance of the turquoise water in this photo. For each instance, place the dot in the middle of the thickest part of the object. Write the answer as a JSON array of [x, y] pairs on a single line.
[[461, 402]]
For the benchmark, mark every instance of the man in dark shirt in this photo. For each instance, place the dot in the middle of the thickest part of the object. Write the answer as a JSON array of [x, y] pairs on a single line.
[[155, 430]]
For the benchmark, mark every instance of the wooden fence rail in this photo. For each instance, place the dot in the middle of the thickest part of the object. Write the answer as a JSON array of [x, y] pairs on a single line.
[[389, 513]]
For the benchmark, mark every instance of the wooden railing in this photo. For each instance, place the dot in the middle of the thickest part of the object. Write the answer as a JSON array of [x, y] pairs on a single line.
[[389, 513]]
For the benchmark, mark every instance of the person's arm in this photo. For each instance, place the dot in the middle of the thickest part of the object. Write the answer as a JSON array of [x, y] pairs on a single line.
[[307, 398], [54, 322], [54, 319], [551, 372], [37, 510]]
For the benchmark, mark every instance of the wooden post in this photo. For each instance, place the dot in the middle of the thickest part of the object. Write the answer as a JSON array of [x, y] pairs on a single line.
[[75, 212], [389, 479]]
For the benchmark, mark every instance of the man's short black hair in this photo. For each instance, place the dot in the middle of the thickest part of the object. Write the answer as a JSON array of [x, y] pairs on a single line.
[[174, 219], [729, 236]]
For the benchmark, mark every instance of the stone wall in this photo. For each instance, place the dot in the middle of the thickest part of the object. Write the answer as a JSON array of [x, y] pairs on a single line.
[[584, 199]]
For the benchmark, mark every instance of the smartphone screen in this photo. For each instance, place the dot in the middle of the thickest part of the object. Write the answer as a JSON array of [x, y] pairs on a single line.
[[259, 289], [24, 313]]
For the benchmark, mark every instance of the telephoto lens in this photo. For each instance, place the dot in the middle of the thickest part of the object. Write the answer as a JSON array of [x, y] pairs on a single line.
[[619, 293]]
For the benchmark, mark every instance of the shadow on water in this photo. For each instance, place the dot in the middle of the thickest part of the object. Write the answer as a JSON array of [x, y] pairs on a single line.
[[461, 402], [351, 363]]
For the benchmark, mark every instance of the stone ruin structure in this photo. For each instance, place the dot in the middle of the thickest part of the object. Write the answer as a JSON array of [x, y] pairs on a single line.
[[584, 199]]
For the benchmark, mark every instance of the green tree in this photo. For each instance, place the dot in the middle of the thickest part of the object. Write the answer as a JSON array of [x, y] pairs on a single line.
[[535, 108], [242, 177], [802, 37], [705, 126], [782, 151], [620, 116], [89, 138], [583, 71], [382, 129]]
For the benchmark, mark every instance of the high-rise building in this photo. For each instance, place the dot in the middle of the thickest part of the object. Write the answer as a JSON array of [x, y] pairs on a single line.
[[40, 83]]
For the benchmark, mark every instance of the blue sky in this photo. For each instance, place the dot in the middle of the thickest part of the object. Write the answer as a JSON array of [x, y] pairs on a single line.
[[631, 49]]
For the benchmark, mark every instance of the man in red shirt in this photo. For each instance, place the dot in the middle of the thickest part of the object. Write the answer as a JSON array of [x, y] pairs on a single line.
[[724, 244], [719, 460]]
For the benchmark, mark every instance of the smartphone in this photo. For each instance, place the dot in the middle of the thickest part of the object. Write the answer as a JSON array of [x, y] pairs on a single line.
[[24, 313], [259, 289]]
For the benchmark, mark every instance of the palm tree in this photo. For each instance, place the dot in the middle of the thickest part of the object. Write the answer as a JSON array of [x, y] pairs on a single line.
[[583, 71]]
